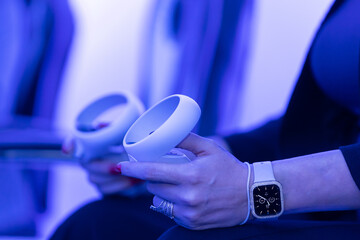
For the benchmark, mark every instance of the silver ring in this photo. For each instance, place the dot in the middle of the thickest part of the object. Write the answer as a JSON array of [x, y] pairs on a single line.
[[165, 208]]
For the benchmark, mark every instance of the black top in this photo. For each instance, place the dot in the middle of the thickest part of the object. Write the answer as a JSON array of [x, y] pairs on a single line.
[[323, 111], [335, 56]]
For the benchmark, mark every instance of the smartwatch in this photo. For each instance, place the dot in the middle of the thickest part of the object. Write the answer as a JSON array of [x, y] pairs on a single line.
[[266, 195]]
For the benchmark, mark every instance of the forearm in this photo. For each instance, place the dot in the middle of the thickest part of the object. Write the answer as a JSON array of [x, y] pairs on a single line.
[[317, 182]]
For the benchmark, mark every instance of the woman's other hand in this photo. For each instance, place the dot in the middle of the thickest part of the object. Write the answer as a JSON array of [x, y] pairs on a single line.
[[104, 173]]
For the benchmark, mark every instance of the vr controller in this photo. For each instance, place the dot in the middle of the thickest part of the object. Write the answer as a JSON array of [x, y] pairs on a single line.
[[148, 136]]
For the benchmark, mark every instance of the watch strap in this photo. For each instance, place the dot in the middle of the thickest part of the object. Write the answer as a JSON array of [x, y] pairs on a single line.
[[263, 171]]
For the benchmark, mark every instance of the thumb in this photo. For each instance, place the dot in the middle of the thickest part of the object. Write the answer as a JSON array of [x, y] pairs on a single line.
[[68, 145], [200, 146]]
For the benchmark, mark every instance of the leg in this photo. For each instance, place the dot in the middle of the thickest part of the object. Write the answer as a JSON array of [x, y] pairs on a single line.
[[114, 217], [272, 230]]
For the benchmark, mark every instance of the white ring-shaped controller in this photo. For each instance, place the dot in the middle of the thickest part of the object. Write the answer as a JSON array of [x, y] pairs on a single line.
[[92, 143], [161, 128]]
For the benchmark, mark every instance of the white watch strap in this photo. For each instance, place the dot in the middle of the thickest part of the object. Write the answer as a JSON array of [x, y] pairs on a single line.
[[263, 171]]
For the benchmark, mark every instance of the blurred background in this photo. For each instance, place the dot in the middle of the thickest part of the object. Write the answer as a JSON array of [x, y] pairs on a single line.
[[239, 59]]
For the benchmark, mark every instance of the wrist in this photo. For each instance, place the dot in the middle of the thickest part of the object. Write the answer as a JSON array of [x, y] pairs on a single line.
[[247, 209], [251, 217]]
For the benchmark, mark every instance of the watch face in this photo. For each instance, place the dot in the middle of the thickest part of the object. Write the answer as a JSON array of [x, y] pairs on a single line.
[[267, 200]]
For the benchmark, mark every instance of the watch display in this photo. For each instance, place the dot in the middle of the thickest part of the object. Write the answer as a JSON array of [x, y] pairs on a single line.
[[267, 200], [266, 193]]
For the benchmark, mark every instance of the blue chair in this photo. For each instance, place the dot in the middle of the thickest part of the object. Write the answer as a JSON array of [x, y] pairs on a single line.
[[36, 38]]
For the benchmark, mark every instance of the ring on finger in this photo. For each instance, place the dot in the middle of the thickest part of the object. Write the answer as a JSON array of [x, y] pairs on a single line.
[[165, 207]]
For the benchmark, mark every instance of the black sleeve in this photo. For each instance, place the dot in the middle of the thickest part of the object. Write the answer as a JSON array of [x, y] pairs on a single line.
[[260, 144], [352, 157]]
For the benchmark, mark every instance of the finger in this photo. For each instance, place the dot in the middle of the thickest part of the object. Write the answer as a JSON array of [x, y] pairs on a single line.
[[200, 146], [114, 187], [169, 192], [68, 145], [105, 178], [156, 172], [176, 211], [102, 167], [158, 200]]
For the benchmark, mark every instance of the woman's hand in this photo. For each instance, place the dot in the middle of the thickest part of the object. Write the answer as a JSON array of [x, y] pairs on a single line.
[[208, 192], [104, 173]]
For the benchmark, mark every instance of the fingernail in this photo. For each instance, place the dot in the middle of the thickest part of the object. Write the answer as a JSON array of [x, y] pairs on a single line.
[[102, 125], [68, 146], [67, 150], [64, 150], [115, 170]]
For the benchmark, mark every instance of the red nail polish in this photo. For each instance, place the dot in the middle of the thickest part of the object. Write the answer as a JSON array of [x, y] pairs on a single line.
[[102, 125], [64, 150], [115, 170]]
